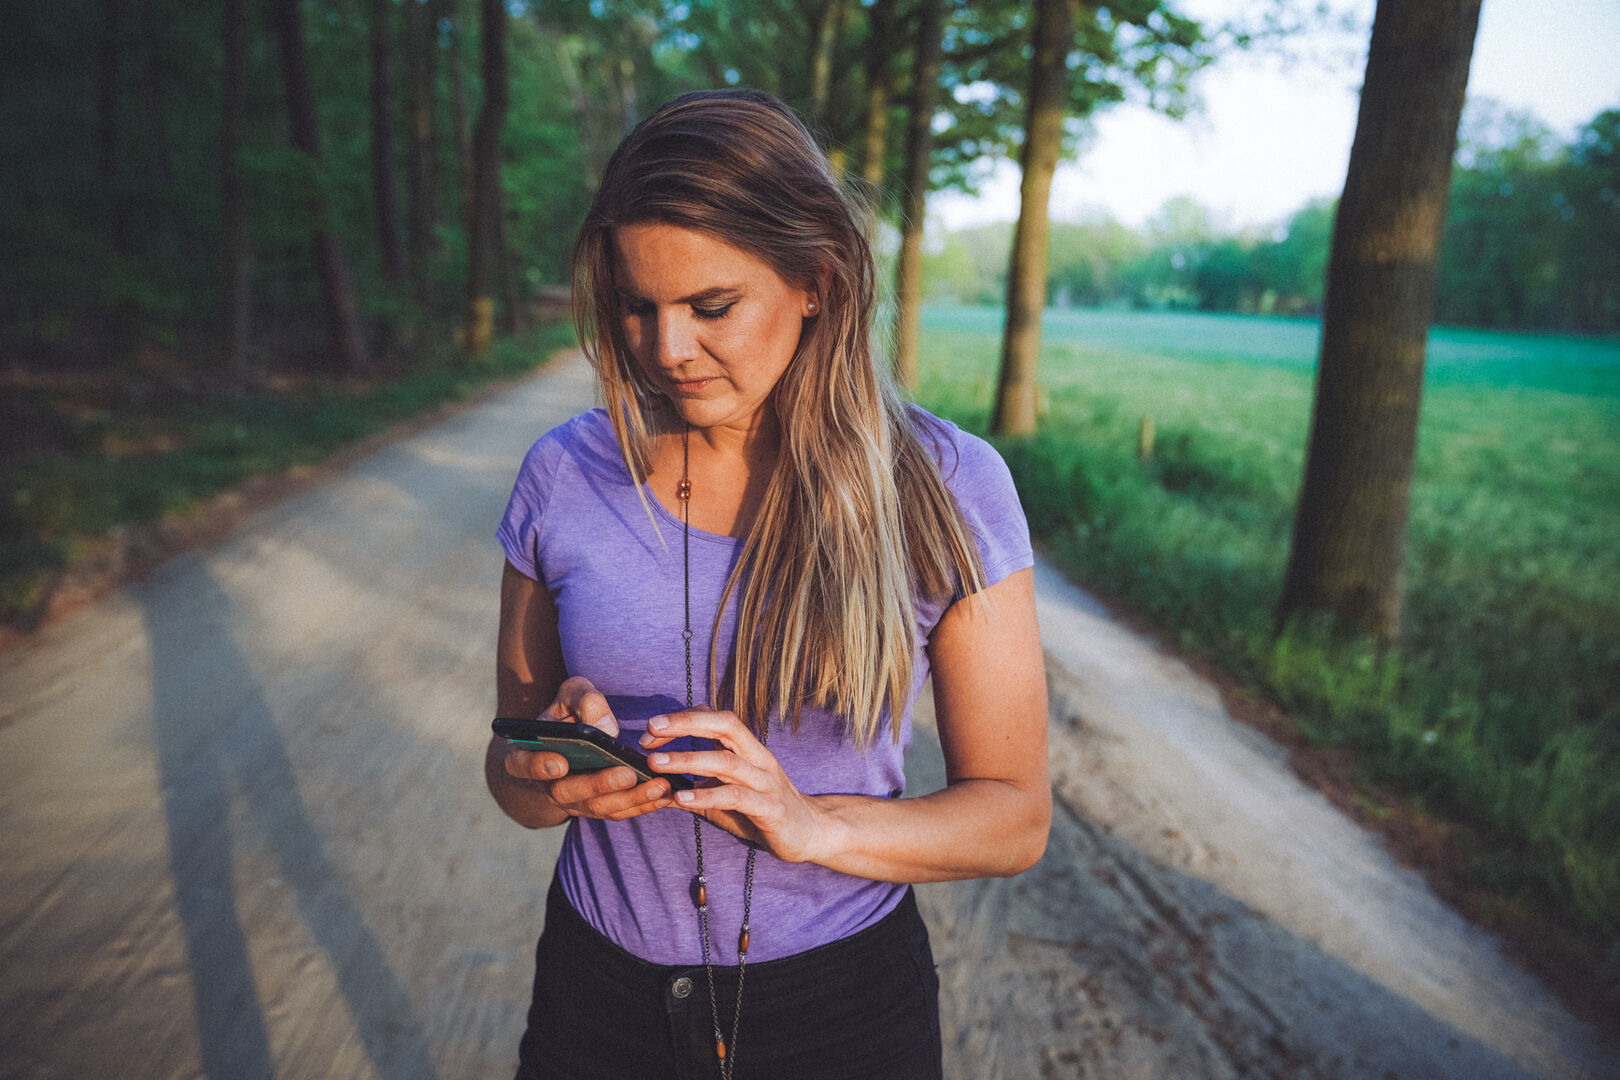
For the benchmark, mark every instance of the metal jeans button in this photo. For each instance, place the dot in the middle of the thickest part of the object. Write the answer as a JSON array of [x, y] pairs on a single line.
[[681, 987]]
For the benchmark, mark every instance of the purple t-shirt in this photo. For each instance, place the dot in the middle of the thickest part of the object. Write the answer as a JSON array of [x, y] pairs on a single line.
[[576, 522]]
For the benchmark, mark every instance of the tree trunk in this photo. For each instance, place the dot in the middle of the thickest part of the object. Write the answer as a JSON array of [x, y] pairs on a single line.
[[1018, 388], [337, 285], [927, 52], [459, 127], [821, 62], [384, 190], [421, 177], [121, 320], [1350, 526], [233, 215], [155, 137], [879, 87], [484, 233]]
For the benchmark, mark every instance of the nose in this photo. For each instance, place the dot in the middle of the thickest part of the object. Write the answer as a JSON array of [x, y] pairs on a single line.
[[677, 339]]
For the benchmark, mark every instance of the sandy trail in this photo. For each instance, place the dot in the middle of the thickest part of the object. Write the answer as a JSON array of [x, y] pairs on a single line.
[[243, 834]]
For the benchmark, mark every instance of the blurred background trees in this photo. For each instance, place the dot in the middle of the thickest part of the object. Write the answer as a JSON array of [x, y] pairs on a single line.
[[293, 183]]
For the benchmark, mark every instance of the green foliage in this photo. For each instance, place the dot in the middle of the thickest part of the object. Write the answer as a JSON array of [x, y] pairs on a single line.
[[1502, 708], [1532, 241]]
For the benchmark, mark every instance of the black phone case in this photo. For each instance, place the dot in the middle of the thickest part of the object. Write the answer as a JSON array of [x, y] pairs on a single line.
[[586, 748]]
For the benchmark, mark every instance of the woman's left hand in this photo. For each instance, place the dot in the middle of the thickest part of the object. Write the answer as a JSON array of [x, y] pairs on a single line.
[[751, 796]]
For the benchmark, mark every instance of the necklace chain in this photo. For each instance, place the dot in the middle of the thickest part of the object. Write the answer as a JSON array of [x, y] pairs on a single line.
[[726, 1053]]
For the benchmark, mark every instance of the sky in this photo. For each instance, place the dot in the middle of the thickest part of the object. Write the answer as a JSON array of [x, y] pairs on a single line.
[[1272, 135]]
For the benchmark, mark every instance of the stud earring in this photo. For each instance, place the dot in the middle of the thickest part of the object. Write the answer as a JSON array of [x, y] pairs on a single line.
[[812, 307]]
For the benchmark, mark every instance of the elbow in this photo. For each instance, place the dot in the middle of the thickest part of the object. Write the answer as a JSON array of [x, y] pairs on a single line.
[[1027, 838]]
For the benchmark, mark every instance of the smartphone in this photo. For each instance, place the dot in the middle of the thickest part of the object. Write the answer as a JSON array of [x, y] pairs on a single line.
[[586, 748]]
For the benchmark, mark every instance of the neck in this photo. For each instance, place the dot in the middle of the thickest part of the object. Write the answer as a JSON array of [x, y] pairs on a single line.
[[749, 446]]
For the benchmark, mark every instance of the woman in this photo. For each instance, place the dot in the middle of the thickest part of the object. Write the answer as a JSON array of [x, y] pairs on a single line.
[[747, 564]]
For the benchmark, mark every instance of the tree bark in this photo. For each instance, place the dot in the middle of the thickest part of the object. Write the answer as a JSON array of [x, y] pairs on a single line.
[[484, 234], [384, 189], [421, 176], [233, 215], [821, 62], [879, 88], [337, 284], [927, 52], [459, 126], [155, 137], [1350, 526], [1018, 388]]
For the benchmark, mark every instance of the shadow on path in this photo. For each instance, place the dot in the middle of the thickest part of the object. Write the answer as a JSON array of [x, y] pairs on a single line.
[[217, 742]]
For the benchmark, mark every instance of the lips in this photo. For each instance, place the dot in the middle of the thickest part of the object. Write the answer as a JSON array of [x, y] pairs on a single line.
[[689, 386]]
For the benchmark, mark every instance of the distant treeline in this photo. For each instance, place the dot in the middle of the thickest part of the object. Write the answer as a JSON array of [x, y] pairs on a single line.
[[1532, 241]]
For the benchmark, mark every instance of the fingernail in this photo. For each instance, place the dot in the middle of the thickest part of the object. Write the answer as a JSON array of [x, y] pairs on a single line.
[[659, 760], [551, 768], [685, 796], [658, 723], [646, 739]]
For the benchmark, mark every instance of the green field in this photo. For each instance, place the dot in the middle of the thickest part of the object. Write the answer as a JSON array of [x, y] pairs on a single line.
[[1502, 711]]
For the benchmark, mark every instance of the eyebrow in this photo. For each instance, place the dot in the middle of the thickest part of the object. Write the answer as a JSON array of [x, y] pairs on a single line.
[[711, 295]]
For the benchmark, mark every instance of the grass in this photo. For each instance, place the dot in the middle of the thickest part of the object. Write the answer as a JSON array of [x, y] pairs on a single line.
[[1502, 710], [86, 452]]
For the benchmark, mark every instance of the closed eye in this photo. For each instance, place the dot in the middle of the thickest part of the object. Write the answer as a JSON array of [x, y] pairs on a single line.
[[712, 313]]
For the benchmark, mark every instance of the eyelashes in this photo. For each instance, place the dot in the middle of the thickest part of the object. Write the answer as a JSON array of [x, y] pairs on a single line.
[[642, 310]]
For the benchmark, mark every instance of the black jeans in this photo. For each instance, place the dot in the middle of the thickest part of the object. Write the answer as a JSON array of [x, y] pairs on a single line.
[[863, 1008]]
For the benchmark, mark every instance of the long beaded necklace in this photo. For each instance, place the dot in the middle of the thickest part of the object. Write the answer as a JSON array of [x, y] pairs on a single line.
[[728, 1061]]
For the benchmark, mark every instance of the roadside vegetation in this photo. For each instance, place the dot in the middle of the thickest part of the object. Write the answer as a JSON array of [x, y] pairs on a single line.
[[86, 452], [1501, 714]]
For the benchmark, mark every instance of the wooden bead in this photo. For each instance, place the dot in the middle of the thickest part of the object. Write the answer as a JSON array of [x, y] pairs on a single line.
[[742, 943], [720, 1049], [703, 895], [684, 492]]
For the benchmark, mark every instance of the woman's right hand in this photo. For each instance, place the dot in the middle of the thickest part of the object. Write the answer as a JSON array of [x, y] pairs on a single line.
[[611, 794]]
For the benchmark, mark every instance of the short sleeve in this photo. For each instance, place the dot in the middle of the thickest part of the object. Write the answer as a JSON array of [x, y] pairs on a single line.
[[984, 490], [521, 531], [983, 487]]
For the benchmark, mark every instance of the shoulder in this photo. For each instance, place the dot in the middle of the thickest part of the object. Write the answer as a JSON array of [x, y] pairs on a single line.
[[969, 465], [982, 485], [587, 437], [574, 458]]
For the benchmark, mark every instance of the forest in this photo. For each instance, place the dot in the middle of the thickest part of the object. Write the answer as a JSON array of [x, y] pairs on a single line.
[[299, 183]]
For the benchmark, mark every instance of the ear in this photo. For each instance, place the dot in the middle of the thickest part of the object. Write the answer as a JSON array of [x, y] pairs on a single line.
[[812, 297]]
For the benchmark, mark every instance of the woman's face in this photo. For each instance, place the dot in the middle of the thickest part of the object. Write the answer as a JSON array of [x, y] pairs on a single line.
[[712, 326]]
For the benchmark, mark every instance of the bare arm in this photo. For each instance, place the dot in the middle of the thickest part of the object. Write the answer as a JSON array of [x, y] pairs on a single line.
[[991, 818], [530, 679]]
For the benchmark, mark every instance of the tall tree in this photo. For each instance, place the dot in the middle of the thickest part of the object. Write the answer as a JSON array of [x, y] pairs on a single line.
[[485, 231], [879, 88], [1016, 390], [421, 171], [1083, 57], [821, 64], [384, 190], [233, 213], [926, 52], [337, 284], [1350, 525]]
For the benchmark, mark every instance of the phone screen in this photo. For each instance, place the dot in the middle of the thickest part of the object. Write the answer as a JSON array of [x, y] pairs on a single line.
[[585, 748]]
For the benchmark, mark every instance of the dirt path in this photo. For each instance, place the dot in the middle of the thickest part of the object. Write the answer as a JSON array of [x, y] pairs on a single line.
[[243, 834]]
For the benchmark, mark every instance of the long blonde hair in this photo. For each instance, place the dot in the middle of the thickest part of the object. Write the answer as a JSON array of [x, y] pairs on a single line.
[[855, 516]]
